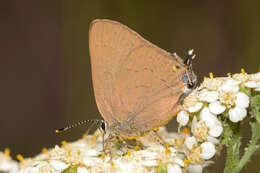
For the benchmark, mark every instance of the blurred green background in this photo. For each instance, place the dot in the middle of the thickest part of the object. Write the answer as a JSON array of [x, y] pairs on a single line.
[[45, 69]]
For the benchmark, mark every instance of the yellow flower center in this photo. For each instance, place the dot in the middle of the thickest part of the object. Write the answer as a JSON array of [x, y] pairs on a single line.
[[228, 98], [243, 77], [194, 155], [201, 131], [190, 101]]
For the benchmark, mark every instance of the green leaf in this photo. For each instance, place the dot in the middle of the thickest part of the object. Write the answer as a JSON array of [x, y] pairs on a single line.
[[245, 90], [71, 169]]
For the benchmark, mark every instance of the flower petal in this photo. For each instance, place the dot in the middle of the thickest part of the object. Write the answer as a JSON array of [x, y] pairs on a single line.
[[208, 96], [58, 165], [213, 140], [237, 114], [195, 108], [208, 150], [251, 84], [173, 168], [82, 170], [255, 77], [205, 114], [212, 122], [191, 142], [183, 118], [216, 107], [230, 85], [242, 100]]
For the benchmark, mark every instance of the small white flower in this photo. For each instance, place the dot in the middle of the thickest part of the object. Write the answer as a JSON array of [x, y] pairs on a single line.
[[227, 98], [208, 150], [215, 126], [195, 168], [237, 114], [195, 108], [191, 102], [183, 118], [252, 84], [58, 165], [208, 96], [242, 100], [242, 77], [191, 142], [199, 129], [230, 85], [150, 163], [255, 77], [125, 167], [91, 161], [216, 107], [173, 168], [212, 84], [8, 166], [82, 170], [212, 140]]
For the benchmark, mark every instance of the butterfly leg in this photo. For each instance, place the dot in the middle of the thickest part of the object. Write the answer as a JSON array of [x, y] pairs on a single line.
[[108, 147], [158, 138], [127, 152]]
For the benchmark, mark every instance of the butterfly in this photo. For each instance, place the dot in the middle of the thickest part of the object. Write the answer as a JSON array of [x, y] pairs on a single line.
[[138, 86]]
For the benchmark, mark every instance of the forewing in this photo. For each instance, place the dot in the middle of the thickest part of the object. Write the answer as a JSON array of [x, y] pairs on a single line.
[[109, 43], [146, 89]]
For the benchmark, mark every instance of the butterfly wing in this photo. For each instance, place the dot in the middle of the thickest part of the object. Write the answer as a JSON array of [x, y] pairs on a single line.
[[109, 44], [132, 78], [146, 89]]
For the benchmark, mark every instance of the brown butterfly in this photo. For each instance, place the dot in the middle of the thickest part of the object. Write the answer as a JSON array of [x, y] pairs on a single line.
[[138, 86]]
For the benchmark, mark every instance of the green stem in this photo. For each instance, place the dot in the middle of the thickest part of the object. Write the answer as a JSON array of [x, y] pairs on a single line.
[[232, 148], [253, 144]]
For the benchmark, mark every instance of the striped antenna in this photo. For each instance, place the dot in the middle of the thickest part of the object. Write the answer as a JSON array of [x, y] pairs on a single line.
[[98, 123]]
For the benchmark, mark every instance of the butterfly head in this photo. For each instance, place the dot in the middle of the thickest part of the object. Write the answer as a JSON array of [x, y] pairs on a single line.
[[189, 77]]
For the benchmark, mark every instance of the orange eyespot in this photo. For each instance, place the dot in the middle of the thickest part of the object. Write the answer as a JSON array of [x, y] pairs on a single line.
[[175, 68]]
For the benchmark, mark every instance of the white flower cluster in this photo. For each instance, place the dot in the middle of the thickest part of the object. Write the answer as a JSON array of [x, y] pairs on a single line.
[[217, 99], [200, 124], [7, 164]]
